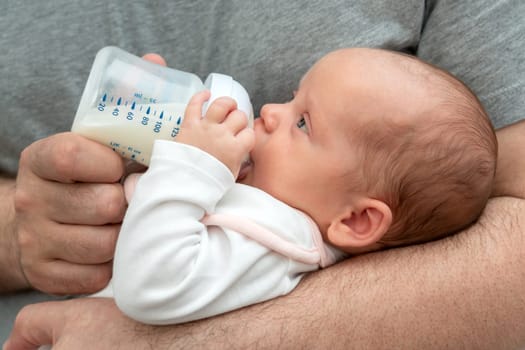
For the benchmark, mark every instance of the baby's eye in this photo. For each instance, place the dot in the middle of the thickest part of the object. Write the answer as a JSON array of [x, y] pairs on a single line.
[[301, 124]]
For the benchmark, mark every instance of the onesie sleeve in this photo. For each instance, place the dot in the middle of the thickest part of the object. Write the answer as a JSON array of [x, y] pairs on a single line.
[[171, 268], [162, 238]]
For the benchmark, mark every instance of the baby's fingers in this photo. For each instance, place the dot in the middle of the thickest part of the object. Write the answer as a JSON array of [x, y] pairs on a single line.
[[236, 121], [220, 109], [246, 139], [194, 107]]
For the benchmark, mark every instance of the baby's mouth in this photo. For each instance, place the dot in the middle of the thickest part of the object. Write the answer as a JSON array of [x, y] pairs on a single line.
[[246, 166]]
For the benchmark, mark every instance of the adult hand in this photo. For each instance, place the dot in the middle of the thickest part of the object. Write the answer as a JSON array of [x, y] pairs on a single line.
[[87, 323], [69, 204], [103, 327]]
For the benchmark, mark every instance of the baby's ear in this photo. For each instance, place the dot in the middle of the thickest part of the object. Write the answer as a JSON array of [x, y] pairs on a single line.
[[360, 225]]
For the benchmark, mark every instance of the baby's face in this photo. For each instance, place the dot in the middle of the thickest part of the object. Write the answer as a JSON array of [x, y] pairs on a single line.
[[305, 150]]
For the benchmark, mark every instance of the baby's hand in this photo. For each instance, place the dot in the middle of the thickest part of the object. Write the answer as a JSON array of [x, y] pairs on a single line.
[[223, 132]]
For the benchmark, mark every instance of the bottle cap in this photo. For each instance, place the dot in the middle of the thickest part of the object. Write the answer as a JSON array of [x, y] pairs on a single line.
[[224, 85]]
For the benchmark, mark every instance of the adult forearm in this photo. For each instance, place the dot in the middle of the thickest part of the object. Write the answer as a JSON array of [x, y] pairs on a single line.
[[463, 292], [11, 276], [510, 171]]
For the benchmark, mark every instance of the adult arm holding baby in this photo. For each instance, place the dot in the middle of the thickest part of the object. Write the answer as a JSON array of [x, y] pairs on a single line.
[[458, 292], [509, 179]]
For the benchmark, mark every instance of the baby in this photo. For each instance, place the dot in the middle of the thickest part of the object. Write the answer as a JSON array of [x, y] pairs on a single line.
[[376, 149]]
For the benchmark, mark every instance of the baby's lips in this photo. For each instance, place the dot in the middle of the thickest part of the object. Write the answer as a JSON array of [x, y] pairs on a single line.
[[245, 169]]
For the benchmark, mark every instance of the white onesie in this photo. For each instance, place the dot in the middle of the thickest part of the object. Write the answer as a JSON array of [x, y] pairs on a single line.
[[194, 243]]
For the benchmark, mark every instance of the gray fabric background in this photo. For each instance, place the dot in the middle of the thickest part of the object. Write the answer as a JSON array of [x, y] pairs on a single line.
[[48, 48]]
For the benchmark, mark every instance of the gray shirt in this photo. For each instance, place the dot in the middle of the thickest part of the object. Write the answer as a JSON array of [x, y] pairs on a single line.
[[48, 48]]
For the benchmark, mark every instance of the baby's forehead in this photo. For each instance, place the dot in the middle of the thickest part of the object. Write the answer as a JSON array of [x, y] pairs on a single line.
[[375, 61], [381, 83]]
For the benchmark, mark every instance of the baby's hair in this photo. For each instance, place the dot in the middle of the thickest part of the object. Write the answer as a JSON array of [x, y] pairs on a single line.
[[435, 176]]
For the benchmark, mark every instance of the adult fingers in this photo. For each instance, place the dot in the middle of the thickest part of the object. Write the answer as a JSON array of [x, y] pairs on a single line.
[[82, 203], [34, 326], [155, 58], [82, 323], [76, 203], [77, 244], [66, 259], [68, 158], [67, 278]]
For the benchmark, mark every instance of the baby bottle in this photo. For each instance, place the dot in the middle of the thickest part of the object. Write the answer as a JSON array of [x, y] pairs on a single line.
[[129, 102]]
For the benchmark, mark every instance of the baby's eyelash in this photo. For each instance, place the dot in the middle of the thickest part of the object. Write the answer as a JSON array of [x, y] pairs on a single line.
[[301, 124]]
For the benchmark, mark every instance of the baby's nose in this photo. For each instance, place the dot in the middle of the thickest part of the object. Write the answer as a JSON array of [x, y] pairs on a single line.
[[269, 115]]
